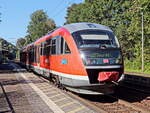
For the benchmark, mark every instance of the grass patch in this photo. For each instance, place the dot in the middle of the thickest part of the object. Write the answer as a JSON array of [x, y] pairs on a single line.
[[135, 66]]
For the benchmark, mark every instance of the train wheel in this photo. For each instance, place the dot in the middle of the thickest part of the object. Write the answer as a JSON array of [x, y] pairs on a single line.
[[57, 82], [50, 77]]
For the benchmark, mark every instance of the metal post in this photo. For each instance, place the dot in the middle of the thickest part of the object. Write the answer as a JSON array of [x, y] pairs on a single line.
[[142, 46]]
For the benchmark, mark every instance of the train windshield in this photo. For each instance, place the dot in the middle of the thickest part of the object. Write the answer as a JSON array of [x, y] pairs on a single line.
[[95, 39]]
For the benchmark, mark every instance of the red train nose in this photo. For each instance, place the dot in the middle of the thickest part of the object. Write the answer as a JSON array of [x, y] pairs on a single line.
[[108, 76]]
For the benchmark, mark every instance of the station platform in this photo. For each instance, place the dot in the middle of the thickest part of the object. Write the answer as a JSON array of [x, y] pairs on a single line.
[[24, 92]]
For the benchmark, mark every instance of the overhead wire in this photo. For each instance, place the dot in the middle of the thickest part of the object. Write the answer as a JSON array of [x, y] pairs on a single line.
[[60, 11], [58, 5]]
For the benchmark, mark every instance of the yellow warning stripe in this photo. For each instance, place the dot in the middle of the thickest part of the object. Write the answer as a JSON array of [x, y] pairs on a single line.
[[77, 109], [67, 104], [45, 87], [50, 92], [61, 99], [55, 95]]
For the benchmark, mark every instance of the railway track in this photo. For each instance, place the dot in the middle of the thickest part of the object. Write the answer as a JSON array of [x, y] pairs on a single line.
[[138, 96], [107, 104]]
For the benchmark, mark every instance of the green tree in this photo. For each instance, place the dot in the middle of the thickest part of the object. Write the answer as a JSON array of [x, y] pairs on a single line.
[[124, 17], [20, 43], [39, 25], [7, 50]]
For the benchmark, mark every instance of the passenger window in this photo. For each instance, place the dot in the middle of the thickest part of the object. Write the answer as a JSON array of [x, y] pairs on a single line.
[[42, 49], [50, 46], [62, 45], [67, 50], [44, 52], [47, 47], [53, 51]]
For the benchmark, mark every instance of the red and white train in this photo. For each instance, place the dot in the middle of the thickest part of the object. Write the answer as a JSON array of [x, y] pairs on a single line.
[[83, 57]]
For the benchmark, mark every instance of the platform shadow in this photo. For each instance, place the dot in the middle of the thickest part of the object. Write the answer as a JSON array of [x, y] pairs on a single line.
[[6, 68]]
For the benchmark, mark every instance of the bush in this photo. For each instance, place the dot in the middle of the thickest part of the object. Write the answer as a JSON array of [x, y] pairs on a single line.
[[136, 66]]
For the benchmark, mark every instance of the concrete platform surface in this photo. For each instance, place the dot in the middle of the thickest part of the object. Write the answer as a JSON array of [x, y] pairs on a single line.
[[28, 93]]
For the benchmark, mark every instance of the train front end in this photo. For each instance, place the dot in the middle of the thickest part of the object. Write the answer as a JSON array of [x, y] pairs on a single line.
[[101, 55]]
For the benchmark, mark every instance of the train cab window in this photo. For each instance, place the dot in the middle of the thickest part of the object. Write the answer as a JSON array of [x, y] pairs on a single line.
[[53, 50], [95, 39], [67, 50]]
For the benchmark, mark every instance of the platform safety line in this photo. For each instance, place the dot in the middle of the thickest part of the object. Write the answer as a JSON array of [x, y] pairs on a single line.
[[54, 95], [45, 88], [47, 91], [44, 97], [67, 104], [61, 99], [76, 110], [51, 92]]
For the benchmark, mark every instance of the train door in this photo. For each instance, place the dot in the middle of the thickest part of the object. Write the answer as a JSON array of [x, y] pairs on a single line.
[[35, 54], [47, 47], [38, 55]]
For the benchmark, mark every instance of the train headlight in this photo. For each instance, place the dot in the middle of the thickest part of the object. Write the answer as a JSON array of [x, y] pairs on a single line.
[[82, 56]]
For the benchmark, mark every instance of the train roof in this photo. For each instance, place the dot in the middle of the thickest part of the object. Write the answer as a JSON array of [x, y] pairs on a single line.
[[71, 28], [29, 45], [85, 25]]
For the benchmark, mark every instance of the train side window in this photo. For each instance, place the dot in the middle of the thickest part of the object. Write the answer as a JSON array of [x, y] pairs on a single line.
[[48, 46], [67, 50], [53, 51], [32, 54], [62, 45], [35, 48], [42, 49], [58, 39]]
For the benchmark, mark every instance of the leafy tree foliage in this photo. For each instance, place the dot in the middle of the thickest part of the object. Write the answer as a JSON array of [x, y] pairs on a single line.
[[7, 50], [123, 16], [39, 25], [20, 43]]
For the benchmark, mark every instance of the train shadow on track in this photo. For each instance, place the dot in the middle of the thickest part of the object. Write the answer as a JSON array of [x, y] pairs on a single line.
[[99, 98], [132, 94], [121, 93]]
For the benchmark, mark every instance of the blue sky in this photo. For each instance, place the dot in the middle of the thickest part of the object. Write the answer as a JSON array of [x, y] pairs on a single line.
[[16, 15]]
